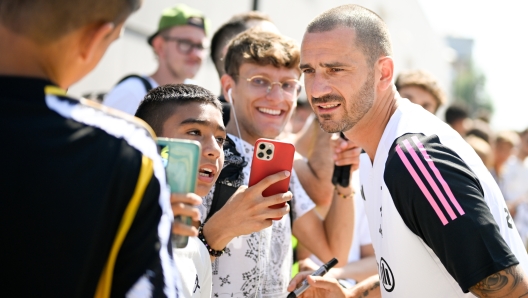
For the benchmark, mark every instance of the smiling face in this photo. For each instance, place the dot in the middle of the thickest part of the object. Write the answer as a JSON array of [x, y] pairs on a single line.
[[202, 123], [338, 80], [260, 114]]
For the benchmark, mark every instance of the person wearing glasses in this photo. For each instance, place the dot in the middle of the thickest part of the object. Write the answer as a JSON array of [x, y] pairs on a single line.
[[179, 44], [253, 254]]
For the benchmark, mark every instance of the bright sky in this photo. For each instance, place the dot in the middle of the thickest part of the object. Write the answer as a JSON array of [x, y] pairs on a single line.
[[500, 31]]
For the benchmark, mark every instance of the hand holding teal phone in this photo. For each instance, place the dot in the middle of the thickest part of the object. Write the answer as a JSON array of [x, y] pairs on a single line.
[[181, 160]]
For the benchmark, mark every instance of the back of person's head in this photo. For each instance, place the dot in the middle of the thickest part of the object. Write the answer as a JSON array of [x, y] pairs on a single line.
[[424, 80], [161, 102], [237, 24], [372, 35], [482, 148], [481, 129], [507, 137], [262, 48], [45, 21], [454, 113]]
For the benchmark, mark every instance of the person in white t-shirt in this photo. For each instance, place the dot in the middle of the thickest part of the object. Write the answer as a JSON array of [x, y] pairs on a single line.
[[514, 185], [179, 46], [438, 222], [190, 112]]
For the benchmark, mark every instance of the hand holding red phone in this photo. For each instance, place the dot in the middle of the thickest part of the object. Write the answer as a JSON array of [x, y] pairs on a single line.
[[247, 211]]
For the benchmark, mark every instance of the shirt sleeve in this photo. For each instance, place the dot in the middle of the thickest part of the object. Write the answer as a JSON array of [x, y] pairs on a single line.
[[126, 96], [441, 200]]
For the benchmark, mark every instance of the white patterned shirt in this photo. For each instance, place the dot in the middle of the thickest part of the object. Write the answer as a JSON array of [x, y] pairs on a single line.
[[259, 262]]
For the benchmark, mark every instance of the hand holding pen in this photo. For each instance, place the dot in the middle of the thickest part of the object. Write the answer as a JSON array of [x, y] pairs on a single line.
[[304, 285]]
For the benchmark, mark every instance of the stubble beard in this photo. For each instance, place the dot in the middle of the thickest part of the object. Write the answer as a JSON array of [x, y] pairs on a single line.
[[358, 106]]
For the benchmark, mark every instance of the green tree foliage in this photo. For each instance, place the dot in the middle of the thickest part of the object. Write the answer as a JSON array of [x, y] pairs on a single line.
[[469, 89]]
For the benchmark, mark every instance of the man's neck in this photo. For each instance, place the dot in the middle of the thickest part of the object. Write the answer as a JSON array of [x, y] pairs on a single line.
[[19, 56], [368, 131], [163, 76]]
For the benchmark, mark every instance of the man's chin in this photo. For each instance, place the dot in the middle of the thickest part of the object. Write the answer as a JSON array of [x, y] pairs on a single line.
[[331, 126]]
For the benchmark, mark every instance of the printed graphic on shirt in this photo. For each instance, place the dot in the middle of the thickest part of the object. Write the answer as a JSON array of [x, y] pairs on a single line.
[[386, 277], [443, 203]]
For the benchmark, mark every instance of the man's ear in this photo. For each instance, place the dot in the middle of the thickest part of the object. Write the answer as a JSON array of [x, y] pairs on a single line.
[[157, 45], [385, 66], [93, 36], [227, 84]]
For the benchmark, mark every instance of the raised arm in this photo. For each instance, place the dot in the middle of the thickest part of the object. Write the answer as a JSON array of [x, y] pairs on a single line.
[[332, 236], [315, 171]]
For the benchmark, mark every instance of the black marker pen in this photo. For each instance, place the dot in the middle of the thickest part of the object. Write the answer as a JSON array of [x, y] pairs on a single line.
[[320, 272]]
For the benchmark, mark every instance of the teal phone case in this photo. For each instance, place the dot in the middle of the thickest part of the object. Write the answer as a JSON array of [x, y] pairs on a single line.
[[181, 160]]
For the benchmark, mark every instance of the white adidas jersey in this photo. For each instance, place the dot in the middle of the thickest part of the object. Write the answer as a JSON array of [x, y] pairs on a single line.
[[428, 199]]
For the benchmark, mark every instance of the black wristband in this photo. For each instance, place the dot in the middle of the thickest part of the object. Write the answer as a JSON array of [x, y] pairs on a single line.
[[212, 252]]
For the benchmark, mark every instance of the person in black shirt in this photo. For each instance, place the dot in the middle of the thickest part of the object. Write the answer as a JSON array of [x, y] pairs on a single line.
[[85, 207]]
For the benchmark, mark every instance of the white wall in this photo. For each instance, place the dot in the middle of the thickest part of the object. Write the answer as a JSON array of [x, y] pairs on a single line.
[[415, 44]]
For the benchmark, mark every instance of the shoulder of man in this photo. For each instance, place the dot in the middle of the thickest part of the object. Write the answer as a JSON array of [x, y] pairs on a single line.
[[133, 144], [128, 93], [441, 200]]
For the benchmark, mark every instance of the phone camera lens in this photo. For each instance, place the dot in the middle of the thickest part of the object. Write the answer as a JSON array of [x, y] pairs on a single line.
[[267, 156], [260, 155], [269, 151], [262, 146]]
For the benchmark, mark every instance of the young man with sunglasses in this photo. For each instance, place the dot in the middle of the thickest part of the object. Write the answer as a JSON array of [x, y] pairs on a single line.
[[254, 253], [179, 44]]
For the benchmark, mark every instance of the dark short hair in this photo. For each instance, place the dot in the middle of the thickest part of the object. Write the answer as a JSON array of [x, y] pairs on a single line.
[[423, 80], [45, 21], [455, 112], [161, 102], [372, 35], [261, 48], [237, 24], [482, 130]]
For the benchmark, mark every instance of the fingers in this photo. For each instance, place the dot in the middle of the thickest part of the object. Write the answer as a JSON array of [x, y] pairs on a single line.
[[275, 212], [278, 198], [187, 198], [182, 204], [185, 210], [326, 283], [271, 179], [347, 157], [298, 279], [184, 230]]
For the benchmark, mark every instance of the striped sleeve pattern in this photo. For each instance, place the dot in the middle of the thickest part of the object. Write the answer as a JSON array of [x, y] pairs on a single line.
[[162, 278], [440, 199]]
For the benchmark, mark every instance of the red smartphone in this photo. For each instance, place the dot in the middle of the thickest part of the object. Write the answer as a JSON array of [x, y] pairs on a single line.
[[271, 157]]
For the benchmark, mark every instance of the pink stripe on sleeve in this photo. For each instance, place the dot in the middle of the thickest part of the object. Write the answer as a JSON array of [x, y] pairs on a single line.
[[421, 185], [438, 175], [422, 168]]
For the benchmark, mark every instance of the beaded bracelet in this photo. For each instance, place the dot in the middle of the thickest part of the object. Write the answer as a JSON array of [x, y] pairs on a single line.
[[212, 252], [349, 196]]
